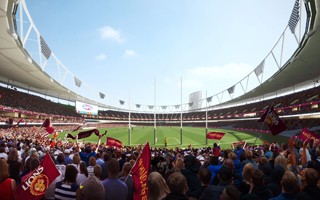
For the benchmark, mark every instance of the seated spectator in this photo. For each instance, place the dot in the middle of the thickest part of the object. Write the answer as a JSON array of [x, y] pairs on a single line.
[[67, 188], [230, 193], [310, 178], [7, 185], [177, 184], [289, 186], [157, 187], [114, 187], [88, 187], [258, 190], [214, 191]]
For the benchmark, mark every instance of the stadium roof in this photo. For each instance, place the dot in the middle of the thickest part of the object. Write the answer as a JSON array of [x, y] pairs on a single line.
[[18, 69]]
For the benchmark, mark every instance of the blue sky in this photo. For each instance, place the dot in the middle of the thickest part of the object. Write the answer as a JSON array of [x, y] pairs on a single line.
[[120, 46]]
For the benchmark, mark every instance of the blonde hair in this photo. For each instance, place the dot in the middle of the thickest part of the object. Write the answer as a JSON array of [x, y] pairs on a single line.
[[247, 172], [282, 161], [4, 170], [157, 186], [76, 159], [179, 163], [92, 161], [13, 155]]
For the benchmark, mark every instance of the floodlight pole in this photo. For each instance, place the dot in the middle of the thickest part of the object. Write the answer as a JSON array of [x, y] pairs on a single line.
[[206, 119], [181, 115], [129, 126], [154, 114]]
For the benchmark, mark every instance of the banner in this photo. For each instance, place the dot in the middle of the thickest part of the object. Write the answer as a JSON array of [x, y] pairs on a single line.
[[34, 185], [86, 134], [215, 135], [48, 126], [140, 173], [276, 125], [114, 142], [308, 135], [235, 144]]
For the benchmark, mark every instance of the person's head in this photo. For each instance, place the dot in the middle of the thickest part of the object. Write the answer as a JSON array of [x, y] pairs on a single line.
[[215, 145], [13, 155], [289, 182], [230, 193], [126, 168], [204, 175], [83, 168], [214, 160], [97, 170], [179, 163], [157, 186], [92, 161], [247, 172], [228, 163], [177, 183], [281, 160], [71, 174], [310, 177], [113, 168], [60, 158], [76, 159], [225, 174], [232, 155], [106, 157], [258, 177], [249, 155], [4, 170], [277, 173], [90, 185], [34, 163]]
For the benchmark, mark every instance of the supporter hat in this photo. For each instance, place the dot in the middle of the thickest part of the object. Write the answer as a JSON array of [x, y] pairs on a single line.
[[67, 151]]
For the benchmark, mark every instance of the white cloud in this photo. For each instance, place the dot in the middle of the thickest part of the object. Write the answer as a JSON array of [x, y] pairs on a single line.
[[109, 33], [215, 78], [129, 53], [101, 57]]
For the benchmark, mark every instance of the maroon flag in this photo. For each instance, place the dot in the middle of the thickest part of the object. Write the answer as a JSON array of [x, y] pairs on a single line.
[[77, 128], [215, 135], [276, 125], [34, 185], [235, 144], [140, 173], [308, 135], [114, 142], [48, 126], [84, 134], [20, 120]]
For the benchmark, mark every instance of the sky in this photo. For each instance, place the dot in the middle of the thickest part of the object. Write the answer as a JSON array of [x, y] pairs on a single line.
[[121, 48]]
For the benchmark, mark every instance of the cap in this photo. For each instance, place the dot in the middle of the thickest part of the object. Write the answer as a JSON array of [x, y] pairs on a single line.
[[67, 151]]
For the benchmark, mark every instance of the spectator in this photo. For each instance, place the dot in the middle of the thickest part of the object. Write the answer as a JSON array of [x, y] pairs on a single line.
[[15, 166], [191, 174], [76, 161], [281, 160], [214, 168], [276, 176], [104, 165], [88, 188], [99, 161], [249, 159], [60, 167], [177, 184], [237, 173], [216, 150], [3, 154], [7, 185], [127, 179], [265, 167], [114, 187], [67, 188], [310, 178], [97, 171], [204, 176], [214, 191], [289, 185], [157, 187], [230, 193], [67, 159], [92, 163], [82, 176], [257, 189]]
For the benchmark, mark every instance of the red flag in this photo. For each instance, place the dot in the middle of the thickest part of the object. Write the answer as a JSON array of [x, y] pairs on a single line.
[[48, 126], [84, 134], [276, 125], [114, 142], [140, 173], [20, 120], [307, 135], [34, 184], [215, 135]]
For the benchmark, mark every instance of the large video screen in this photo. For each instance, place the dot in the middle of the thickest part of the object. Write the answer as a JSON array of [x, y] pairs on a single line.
[[86, 109]]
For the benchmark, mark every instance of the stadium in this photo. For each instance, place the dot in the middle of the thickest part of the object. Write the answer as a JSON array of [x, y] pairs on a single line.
[[285, 82]]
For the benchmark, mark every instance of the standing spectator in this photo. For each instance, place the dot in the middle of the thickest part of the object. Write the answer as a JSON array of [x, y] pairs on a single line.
[[88, 187], [90, 168], [177, 184], [67, 188], [249, 159], [230, 193], [310, 190], [214, 168], [247, 174], [157, 187], [67, 159], [76, 161], [99, 161], [289, 186], [216, 150], [15, 166], [60, 166], [82, 176], [3, 154], [204, 177], [127, 179], [115, 189], [276, 176], [104, 165], [7, 185], [191, 173]]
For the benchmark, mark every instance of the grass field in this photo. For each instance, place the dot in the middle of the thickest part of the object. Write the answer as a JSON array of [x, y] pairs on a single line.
[[191, 135]]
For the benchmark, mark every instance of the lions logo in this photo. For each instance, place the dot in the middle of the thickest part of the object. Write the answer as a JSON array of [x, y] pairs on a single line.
[[39, 185]]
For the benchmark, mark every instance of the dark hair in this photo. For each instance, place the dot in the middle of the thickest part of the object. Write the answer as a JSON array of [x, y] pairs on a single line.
[[177, 183], [311, 177], [83, 168], [257, 178], [71, 174], [204, 175], [113, 167], [34, 163], [225, 174], [60, 158]]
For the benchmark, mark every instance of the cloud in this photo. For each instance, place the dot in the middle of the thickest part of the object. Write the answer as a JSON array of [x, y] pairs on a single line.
[[109, 33], [129, 53], [101, 57], [215, 78]]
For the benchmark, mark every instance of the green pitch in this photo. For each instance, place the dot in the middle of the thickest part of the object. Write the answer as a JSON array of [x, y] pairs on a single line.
[[190, 136]]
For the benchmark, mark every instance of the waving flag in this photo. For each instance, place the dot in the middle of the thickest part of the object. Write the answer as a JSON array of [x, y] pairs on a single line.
[[114, 142], [34, 185], [86, 134], [48, 126], [140, 173], [276, 125], [308, 135], [215, 135]]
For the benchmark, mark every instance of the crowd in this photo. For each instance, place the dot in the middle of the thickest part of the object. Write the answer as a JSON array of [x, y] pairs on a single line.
[[93, 171]]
